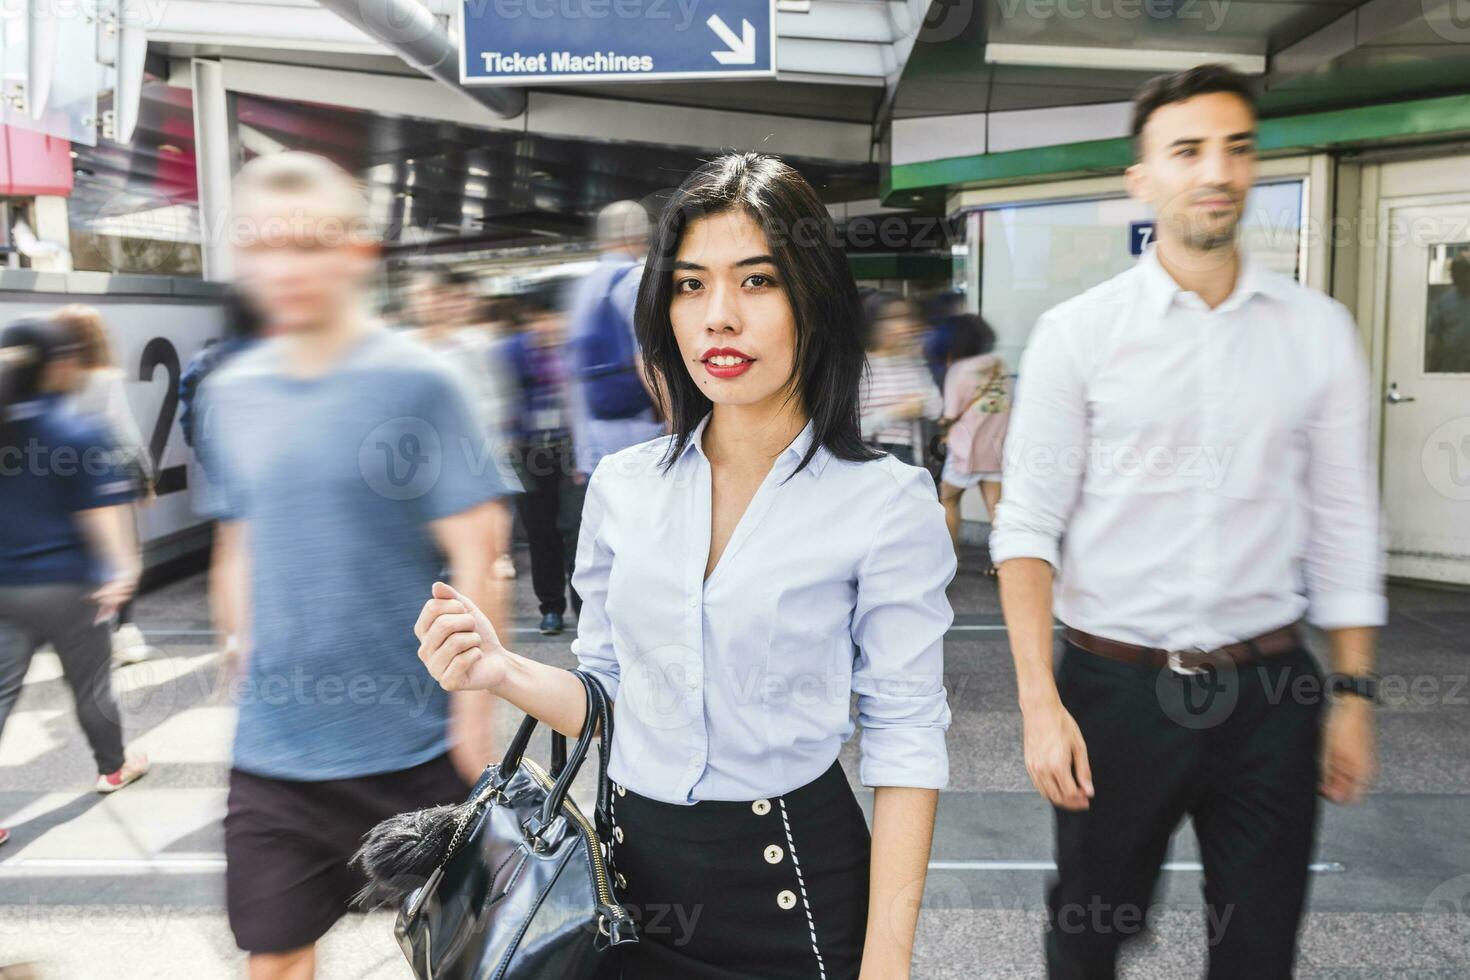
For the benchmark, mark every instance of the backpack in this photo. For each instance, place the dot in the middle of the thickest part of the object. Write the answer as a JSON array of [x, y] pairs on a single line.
[[603, 357]]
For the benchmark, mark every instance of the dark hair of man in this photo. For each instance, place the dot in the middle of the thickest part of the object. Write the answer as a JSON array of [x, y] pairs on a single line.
[[242, 320], [813, 270], [1183, 86], [970, 336]]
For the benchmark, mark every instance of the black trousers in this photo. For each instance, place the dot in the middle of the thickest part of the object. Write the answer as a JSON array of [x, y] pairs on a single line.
[[62, 614], [551, 511], [1234, 749]]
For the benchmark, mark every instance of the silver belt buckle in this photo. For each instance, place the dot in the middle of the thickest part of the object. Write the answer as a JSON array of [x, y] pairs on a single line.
[[1176, 662]]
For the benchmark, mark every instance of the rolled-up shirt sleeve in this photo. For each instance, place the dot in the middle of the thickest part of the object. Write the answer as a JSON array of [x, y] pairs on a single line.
[[593, 646], [1342, 567], [1045, 448], [898, 627]]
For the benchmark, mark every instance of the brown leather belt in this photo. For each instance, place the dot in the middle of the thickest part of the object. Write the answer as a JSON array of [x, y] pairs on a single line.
[[1277, 641]]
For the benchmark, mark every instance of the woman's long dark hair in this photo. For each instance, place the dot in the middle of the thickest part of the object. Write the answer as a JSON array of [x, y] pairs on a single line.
[[829, 353]]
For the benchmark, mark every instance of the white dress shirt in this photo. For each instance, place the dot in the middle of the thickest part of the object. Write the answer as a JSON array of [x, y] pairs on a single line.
[[739, 687], [1196, 477]]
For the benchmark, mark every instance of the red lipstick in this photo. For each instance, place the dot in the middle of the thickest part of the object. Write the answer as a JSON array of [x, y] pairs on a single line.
[[732, 362]]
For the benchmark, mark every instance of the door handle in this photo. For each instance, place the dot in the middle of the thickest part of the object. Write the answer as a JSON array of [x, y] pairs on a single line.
[[1393, 397]]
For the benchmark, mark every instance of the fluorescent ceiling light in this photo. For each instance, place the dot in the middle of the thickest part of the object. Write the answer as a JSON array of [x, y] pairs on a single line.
[[1118, 59]]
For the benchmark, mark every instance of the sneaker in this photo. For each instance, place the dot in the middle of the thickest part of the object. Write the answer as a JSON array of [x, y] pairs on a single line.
[[552, 624], [133, 769], [129, 646], [505, 567]]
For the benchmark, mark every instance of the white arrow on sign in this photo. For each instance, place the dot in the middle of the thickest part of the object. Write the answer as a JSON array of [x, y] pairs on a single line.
[[742, 49]]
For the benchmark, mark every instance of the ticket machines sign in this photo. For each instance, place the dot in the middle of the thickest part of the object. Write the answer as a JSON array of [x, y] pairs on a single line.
[[524, 42]]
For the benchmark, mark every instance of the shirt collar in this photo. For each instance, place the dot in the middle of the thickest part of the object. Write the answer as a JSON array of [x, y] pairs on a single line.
[[1160, 289], [790, 457]]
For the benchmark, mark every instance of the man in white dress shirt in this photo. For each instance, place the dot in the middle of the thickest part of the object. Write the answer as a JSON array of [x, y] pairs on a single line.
[[1189, 461]]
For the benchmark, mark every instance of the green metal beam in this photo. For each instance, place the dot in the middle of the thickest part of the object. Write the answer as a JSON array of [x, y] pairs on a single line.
[[1397, 121]]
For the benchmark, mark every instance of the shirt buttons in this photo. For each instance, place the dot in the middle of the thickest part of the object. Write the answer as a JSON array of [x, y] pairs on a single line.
[[774, 854], [761, 807], [787, 899], [622, 882], [619, 788], [618, 834]]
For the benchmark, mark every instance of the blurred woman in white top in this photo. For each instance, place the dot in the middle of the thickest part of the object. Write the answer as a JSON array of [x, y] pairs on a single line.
[[897, 391]]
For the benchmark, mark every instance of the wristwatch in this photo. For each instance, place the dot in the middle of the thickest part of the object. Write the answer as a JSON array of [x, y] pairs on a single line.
[[1364, 686]]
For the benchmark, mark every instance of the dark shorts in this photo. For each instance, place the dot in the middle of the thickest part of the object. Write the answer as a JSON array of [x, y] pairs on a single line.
[[287, 844]]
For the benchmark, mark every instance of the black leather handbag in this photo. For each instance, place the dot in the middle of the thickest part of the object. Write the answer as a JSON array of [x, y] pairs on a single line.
[[514, 883]]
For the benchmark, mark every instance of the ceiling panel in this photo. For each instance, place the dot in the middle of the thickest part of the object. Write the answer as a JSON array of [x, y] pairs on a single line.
[[435, 182]]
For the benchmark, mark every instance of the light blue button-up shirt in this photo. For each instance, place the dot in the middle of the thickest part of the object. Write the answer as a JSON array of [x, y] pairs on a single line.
[[740, 687]]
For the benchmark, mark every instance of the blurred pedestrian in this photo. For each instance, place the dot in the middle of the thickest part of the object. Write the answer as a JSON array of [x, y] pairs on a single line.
[[1188, 484], [243, 327], [498, 324], [898, 393], [447, 305], [941, 314], [343, 474], [66, 558], [609, 397], [101, 395], [977, 410], [551, 504]]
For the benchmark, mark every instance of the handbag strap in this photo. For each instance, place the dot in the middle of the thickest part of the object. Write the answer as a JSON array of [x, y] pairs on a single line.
[[596, 691], [598, 715], [511, 762], [990, 378]]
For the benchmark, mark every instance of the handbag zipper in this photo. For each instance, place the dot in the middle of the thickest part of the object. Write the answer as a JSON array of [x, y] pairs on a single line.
[[599, 869]]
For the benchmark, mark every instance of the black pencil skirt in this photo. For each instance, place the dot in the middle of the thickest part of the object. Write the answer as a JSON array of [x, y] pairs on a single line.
[[765, 889]]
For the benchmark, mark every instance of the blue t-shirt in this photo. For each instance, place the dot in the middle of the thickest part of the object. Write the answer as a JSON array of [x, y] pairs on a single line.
[[53, 464], [336, 479]]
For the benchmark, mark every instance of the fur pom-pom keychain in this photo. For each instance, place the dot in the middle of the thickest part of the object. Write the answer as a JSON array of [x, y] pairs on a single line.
[[406, 851]]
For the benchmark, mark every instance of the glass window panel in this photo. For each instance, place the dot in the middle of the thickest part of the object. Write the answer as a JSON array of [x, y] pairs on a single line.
[[1447, 319]]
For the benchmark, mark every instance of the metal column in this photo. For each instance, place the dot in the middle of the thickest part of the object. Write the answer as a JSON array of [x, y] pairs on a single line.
[[215, 155]]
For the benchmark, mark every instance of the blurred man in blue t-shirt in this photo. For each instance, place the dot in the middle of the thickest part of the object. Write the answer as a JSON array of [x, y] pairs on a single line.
[[346, 468]]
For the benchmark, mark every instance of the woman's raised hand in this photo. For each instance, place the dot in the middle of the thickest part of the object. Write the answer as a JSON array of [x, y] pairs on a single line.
[[458, 643]]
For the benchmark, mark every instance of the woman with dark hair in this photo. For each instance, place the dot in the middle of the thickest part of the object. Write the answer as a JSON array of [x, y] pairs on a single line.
[[898, 392], [977, 412], [741, 579], [66, 563]]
